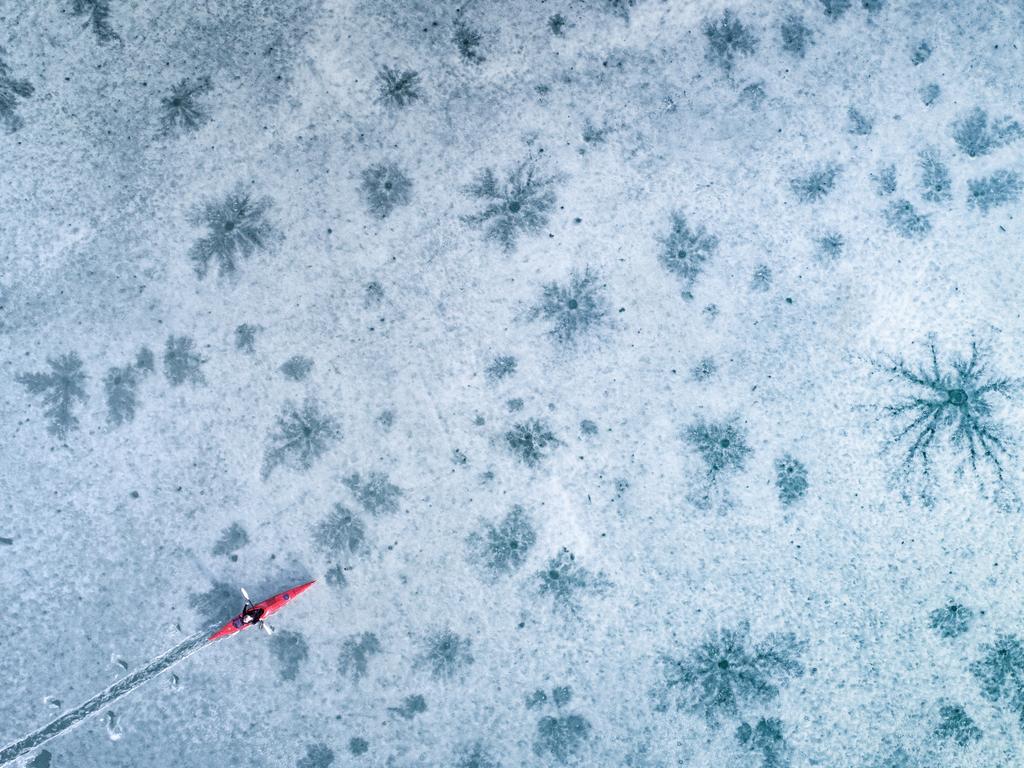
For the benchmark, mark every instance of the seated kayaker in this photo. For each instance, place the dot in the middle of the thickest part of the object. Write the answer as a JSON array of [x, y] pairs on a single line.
[[251, 614]]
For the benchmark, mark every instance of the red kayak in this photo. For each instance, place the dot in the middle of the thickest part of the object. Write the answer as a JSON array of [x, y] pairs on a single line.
[[266, 608]]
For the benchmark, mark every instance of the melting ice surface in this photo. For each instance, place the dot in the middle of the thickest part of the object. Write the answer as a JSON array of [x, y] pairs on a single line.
[[642, 378]]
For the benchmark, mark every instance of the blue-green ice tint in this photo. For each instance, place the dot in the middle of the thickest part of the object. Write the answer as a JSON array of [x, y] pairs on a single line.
[[721, 444], [686, 250], [375, 492], [1000, 188], [519, 204], [952, 620], [728, 672], [977, 135], [796, 36], [936, 183], [531, 441], [445, 654], [60, 389], [233, 538], [957, 726], [817, 184], [317, 756], [341, 532], [468, 42], [12, 91], [904, 219], [184, 109], [384, 188], [766, 738], [790, 479], [566, 582], [858, 123], [501, 367], [948, 408], [245, 338], [411, 706], [301, 435], [357, 651], [727, 38], [476, 756], [1000, 674], [289, 651], [575, 309], [503, 548], [834, 9], [561, 737], [182, 362], [398, 88], [297, 367], [237, 226], [884, 180], [97, 16]]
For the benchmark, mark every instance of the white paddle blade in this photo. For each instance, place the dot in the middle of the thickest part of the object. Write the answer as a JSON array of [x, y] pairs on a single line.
[[245, 594], [267, 628]]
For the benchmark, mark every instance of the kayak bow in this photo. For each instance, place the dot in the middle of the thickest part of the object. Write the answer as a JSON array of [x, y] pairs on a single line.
[[269, 606]]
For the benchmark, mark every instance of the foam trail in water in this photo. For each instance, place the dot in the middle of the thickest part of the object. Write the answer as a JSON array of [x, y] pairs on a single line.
[[121, 688]]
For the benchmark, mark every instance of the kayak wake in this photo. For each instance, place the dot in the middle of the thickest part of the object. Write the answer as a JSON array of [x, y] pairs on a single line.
[[254, 612], [121, 688]]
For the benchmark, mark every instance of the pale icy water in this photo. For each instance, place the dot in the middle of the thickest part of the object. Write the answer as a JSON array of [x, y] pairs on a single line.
[[642, 381]]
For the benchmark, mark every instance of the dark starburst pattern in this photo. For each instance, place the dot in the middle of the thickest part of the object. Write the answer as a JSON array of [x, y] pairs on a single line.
[[685, 252], [1000, 672], [522, 204], [573, 309], [97, 16], [727, 38], [950, 409], [182, 112], [237, 227], [300, 437], [727, 672], [398, 87], [11, 91], [60, 389], [445, 654], [385, 187]]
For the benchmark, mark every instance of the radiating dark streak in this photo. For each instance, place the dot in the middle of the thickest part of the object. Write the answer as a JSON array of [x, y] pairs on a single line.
[[5, 540], [121, 688]]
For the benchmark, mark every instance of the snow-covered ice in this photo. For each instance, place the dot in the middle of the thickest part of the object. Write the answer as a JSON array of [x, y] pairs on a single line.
[[642, 379]]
